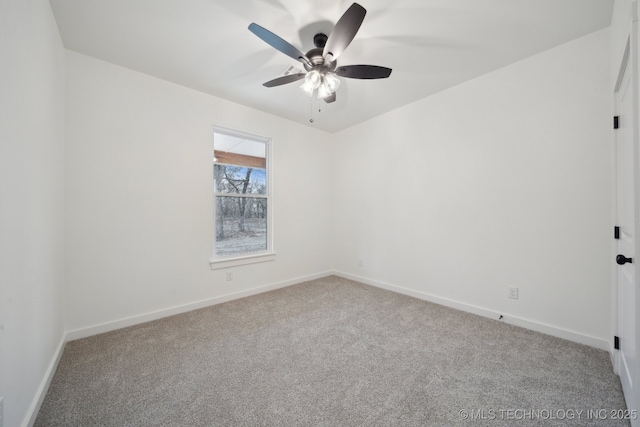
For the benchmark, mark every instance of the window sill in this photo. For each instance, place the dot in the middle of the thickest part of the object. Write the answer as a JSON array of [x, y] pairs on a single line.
[[217, 264]]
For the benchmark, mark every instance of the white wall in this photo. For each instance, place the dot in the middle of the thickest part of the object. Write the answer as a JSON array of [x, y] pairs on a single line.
[[139, 200], [31, 202], [502, 181]]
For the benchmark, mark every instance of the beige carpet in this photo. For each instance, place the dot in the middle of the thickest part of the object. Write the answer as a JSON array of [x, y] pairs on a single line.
[[330, 352]]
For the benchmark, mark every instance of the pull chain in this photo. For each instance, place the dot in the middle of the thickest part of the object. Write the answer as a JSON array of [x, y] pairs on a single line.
[[312, 108]]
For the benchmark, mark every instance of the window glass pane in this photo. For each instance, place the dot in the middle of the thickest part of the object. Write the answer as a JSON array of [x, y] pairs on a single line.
[[232, 179], [241, 187], [241, 225]]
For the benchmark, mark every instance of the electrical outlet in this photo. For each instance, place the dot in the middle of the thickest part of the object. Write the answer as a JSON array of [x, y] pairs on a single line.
[[513, 292], [360, 263], [229, 278]]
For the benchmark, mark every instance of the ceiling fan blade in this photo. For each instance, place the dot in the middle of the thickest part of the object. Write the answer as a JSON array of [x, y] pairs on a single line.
[[344, 32], [331, 98], [278, 43], [284, 80], [363, 72]]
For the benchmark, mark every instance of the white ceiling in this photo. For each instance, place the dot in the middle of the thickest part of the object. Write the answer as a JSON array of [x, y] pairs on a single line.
[[430, 44]]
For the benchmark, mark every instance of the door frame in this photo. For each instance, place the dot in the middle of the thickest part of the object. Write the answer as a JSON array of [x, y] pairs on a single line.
[[628, 64]]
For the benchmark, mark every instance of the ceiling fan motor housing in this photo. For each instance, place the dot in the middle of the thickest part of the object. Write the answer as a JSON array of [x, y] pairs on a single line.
[[317, 59]]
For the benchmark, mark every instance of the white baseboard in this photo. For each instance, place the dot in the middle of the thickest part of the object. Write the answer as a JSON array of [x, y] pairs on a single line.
[[512, 320], [147, 317], [34, 408], [134, 320], [32, 414]]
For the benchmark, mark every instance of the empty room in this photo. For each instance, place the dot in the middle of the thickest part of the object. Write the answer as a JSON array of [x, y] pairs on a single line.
[[278, 212]]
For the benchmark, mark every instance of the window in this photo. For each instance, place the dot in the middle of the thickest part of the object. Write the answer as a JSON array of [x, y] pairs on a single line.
[[241, 187]]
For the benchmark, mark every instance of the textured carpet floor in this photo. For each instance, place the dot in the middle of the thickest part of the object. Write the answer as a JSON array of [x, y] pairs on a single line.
[[330, 352]]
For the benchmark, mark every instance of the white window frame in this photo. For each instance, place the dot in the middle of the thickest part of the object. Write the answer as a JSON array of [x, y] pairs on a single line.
[[220, 262]]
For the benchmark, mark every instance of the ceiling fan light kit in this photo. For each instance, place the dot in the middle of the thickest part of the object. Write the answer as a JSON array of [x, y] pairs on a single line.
[[321, 63], [326, 83]]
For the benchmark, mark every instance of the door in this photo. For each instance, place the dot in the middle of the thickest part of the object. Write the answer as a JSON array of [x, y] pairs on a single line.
[[625, 245]]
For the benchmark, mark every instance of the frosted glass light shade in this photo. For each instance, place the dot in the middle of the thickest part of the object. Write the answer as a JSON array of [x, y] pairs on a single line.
[[311, 82], [308, 89], [332, 82], [323, 90]]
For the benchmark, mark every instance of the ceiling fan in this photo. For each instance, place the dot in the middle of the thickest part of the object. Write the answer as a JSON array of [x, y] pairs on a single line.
[[321, 63]]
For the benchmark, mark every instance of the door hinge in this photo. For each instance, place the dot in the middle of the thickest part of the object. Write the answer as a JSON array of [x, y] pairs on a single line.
[[616, 343], [616, 122], [616, 232]]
